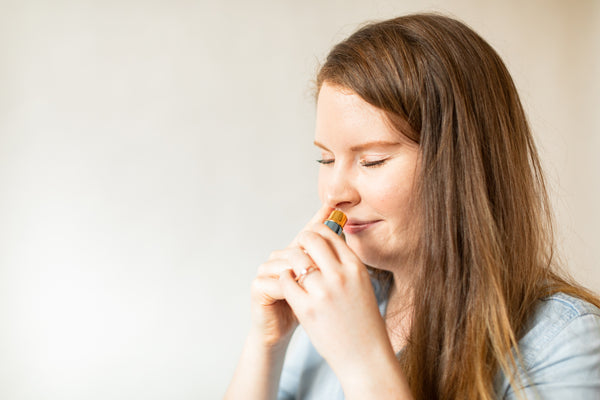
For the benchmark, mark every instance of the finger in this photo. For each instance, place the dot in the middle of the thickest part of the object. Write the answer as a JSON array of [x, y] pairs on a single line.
[[293, 293], [299, 260], [302, 266], [273, 268], [293, 257], [346, 256], [337, 243], [275, 254], [318, 218], [267, 290], [319, 250], [310, 279], [320, 215]]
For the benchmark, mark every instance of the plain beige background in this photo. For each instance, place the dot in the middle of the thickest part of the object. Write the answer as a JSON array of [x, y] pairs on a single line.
[[153, 153]]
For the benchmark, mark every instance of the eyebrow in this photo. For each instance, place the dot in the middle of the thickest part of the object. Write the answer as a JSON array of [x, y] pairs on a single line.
[[363, 146]]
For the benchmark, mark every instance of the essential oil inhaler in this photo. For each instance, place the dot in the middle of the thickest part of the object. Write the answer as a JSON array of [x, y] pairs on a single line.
[[336, 221]]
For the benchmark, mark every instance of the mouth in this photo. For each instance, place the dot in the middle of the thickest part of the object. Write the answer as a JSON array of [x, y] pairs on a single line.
[[356, 226]]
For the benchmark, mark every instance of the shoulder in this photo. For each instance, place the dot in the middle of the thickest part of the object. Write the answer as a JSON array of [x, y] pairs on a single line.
[[560, 350], [557, 320]]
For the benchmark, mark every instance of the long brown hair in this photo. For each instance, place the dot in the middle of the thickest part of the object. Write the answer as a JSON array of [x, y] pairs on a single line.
[[486, 245]]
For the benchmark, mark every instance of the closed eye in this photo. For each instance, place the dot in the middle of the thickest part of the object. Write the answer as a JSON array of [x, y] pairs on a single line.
[[325, 162], [375, 163]]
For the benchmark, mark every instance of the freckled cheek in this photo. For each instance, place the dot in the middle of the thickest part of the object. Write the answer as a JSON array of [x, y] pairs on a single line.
[[388, 198]]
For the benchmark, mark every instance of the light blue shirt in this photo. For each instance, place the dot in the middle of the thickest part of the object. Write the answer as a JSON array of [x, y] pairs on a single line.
[[560, 352]]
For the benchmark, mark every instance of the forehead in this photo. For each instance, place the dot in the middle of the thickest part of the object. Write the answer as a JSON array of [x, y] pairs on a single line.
[[343, 117]]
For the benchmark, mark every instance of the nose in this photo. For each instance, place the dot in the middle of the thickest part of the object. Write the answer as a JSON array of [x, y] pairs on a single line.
[[340, 190]]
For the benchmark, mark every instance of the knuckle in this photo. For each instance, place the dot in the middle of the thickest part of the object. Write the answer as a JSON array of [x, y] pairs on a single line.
[[324, 229], [322, 295], [359, 271], [307, 236], [311, 226], [262, 269], [295, 253], [301, 238], [275, 255], [317, 226], [303, 234], [339, 280], [257, 285]]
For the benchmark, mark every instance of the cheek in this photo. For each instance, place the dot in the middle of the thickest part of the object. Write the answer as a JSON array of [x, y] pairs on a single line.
[[389, 195], [322, 184]]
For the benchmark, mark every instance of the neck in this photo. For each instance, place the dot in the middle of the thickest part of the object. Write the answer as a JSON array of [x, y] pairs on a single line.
[[398, 315], [400, 296]]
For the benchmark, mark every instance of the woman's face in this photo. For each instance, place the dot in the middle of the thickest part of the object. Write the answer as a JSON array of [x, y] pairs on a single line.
[[367, 171]]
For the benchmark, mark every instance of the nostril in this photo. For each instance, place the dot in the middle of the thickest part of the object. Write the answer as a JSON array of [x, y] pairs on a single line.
[[339, 191]]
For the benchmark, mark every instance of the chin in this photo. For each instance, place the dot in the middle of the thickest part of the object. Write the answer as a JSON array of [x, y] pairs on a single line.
[[374, 256], [367, 254]]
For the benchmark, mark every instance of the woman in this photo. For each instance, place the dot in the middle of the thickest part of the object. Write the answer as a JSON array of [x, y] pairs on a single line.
[[445, 286]]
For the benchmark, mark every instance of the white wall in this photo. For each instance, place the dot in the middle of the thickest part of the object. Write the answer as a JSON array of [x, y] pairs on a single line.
[[153, 153]]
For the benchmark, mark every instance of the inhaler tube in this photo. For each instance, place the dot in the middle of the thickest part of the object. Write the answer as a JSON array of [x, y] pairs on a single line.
[[336, 221]]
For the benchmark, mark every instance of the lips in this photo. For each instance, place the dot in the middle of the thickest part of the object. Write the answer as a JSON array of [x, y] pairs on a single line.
[[354, 226]]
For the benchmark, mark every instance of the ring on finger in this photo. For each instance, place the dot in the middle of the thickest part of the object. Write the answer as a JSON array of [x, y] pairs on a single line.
[[302, 275]]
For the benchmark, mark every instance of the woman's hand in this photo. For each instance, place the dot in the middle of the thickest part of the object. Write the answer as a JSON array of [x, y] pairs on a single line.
[[273, 321], [336, 304]]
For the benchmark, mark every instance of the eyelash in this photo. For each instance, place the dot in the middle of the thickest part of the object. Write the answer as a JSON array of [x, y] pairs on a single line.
[[325, 162], [368, 164]]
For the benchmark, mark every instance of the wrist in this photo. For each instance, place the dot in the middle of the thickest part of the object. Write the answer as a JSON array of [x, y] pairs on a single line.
[[258, 371], [266, 344], [376, 374]]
